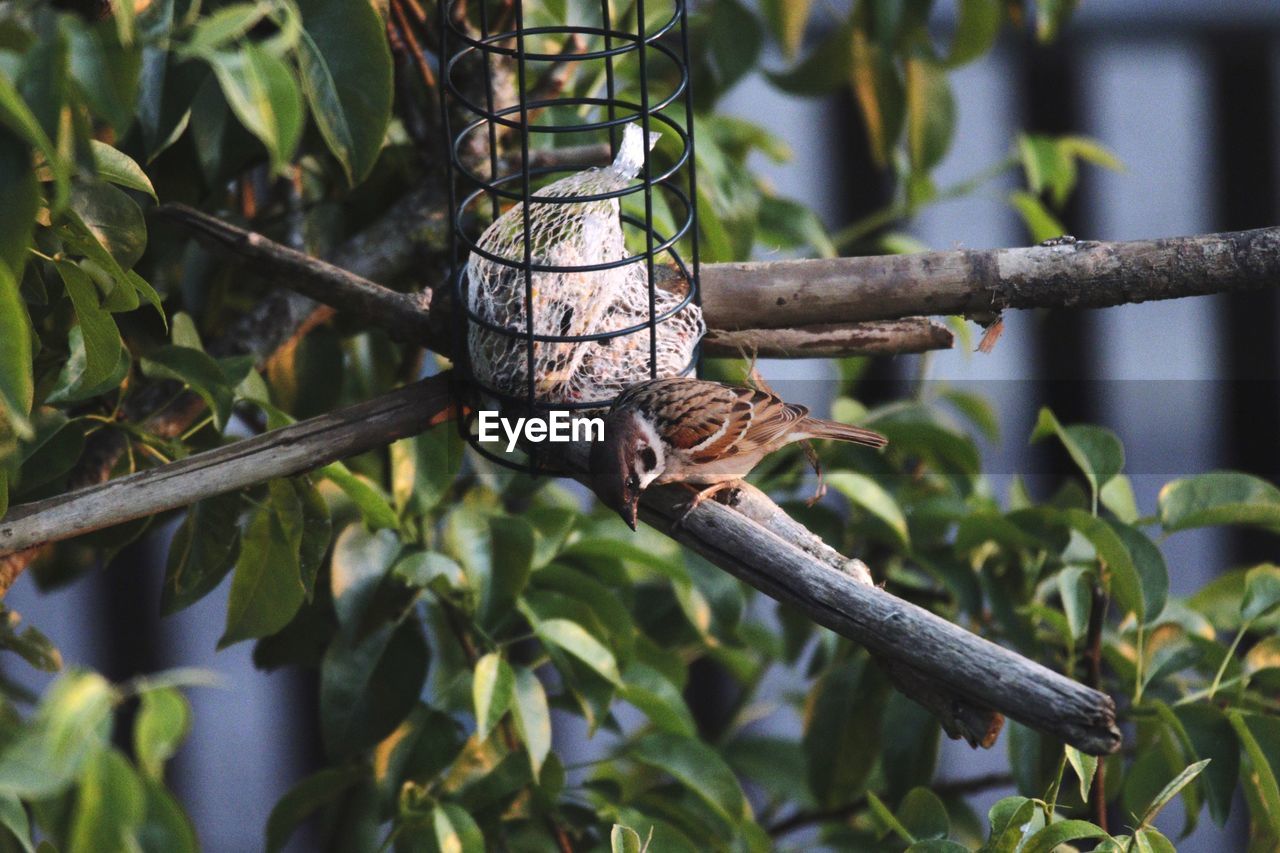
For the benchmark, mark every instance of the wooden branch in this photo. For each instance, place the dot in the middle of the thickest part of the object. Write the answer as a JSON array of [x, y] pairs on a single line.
[[982, 673], [428, 319], [949, 659], [834, 340], [401, 315], [301, 447], [1074, 275], [960, 717]]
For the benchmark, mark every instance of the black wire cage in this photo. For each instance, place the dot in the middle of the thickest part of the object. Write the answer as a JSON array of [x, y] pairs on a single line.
[[535, 99]]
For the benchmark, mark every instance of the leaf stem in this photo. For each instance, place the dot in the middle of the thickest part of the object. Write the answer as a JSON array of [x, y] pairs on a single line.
[[1222, 667]]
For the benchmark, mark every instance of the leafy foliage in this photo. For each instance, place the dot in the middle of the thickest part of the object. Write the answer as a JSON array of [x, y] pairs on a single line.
[[454, 612]]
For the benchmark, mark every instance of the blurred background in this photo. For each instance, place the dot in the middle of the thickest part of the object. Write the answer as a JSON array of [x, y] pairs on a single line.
[[1185, 92]]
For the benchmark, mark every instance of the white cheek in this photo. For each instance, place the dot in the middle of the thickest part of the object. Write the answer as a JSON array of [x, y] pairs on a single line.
[[647, 477]]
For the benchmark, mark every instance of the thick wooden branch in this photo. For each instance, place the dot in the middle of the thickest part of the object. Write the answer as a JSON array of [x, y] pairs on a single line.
[[428, 319], [295, 449], [941, 659], [1074, 275]]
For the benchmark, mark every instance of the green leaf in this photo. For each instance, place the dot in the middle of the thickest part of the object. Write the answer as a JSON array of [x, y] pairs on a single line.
[[199, 372], [16, 382], [317, 532], [160, 727], [110, 806], [842, 731], [1261, 592], [1095, 450], [166, 826], [574, 639], [823, 70], [114, 220], [1213, 737], [1220, 497], [346, 77], [1041, 224], [121, 169], [262, 92], [931, 113], [1085, 766], [101, 335], [1263, 775], [1091, 151], [267, 588], [29, 643], [698, 767], [303, 799], [424, 467], [1074, 585], [456, 831], [659, 699], [13, 817], [871, 496], [734, 41], [887, 821], [202, 551], [532, 718], [1171, 790], [1117, 496], [1048, 839], [429, 570], [360, 561], [1008, 818], [787, 19], [492, 689], [497, 554], [1148, 562], [1048, 168], [368, 685], [909, 747], [1122, 577], [624, 839], [923, 815], [71, 726], [17, 116], [977, 25], [224, 26], [372, 502]]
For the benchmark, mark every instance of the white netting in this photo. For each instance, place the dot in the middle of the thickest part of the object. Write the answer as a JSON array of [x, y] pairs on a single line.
[[573, 303]]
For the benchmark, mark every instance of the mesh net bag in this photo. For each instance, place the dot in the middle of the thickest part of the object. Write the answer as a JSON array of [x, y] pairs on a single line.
[[573, 303]]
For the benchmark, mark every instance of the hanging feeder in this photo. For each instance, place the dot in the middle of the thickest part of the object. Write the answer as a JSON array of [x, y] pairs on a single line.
[[562, 270]]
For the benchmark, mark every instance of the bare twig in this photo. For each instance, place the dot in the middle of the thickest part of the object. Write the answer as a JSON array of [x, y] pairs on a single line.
[[834, 340], [960, 787], [1093, 678]]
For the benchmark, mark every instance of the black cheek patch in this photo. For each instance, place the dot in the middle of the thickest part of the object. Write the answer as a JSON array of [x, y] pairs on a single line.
[[648, 458]]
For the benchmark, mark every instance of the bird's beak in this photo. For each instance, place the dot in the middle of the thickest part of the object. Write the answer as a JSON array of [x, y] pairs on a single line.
[[630, 510]]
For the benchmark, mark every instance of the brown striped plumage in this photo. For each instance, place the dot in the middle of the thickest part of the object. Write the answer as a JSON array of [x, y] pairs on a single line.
[[700, 433]]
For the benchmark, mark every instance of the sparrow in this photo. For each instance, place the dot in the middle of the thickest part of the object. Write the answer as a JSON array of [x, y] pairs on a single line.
[[698, 433]]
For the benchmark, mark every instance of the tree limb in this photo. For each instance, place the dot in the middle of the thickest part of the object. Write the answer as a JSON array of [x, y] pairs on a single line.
[[956, 662], [1074, 275], [428, 318], [294, 449]]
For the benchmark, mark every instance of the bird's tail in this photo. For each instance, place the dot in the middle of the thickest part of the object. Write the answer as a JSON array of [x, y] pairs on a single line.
[[822, 428]]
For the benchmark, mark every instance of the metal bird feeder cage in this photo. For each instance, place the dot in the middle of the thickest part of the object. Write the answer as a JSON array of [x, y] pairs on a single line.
[[526, 103]]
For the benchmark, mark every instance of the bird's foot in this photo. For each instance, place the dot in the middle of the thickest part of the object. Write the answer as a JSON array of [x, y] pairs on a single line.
[[701, 495]]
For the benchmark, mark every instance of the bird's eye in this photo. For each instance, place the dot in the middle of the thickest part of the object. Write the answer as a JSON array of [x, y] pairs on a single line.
[[633, 482]]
